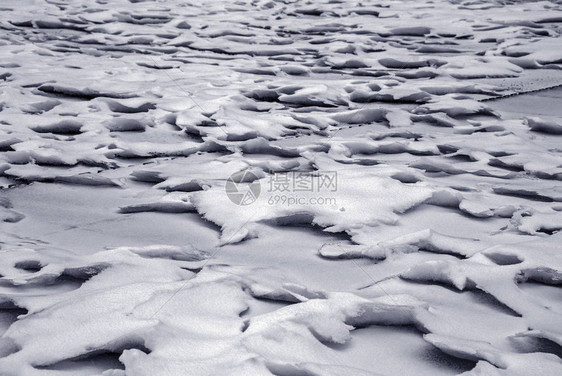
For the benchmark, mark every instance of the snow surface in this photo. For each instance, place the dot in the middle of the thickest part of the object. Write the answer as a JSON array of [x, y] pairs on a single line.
[[438, 253]]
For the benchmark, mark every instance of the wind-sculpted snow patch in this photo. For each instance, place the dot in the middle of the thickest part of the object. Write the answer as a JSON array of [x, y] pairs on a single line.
[[362, 199], [426, 240], [112, 294], [544, 126]]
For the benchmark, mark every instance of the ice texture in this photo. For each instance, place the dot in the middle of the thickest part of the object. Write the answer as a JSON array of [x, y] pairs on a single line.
[[434, 248]]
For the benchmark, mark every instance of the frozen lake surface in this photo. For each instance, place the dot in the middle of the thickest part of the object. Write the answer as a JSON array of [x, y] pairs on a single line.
[[280, 187]]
